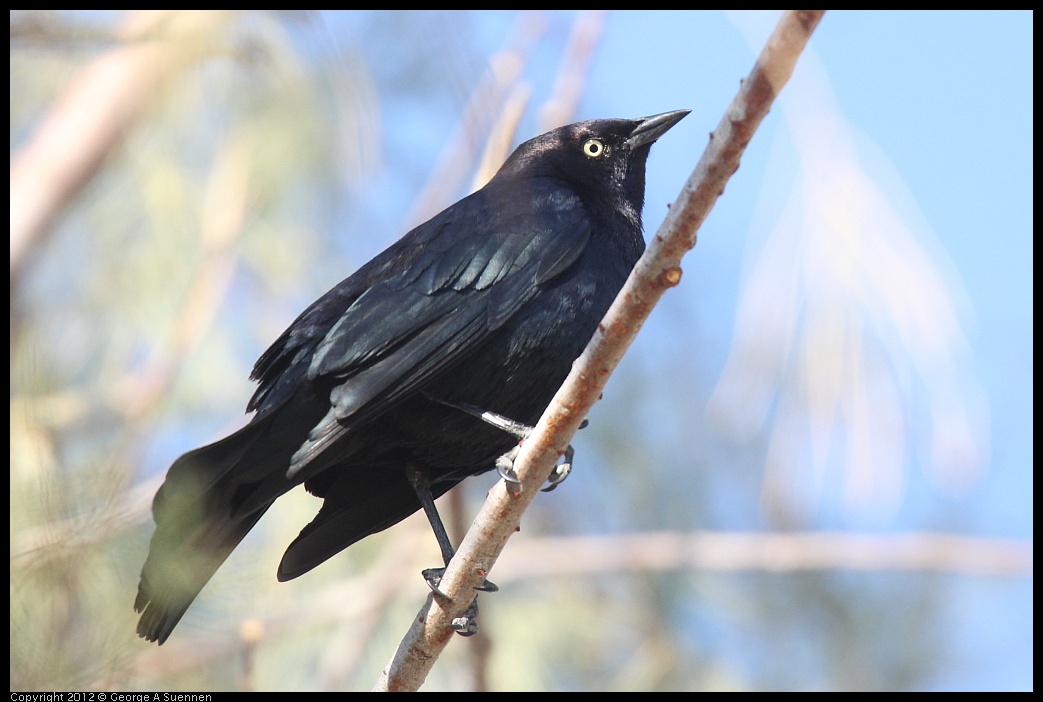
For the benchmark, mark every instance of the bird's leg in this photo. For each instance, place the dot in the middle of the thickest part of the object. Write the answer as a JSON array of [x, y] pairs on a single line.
[[505, 463], [467, 625]]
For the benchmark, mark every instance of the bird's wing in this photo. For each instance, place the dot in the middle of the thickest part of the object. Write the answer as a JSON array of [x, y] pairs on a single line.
[[420, 307]]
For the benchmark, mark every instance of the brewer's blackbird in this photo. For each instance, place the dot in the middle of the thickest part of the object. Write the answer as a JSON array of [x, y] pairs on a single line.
[[373, 397]]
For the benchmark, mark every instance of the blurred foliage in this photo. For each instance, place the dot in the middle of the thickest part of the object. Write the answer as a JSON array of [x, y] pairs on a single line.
[[251, 186]]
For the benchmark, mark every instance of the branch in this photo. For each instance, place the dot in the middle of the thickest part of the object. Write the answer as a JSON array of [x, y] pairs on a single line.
[[354, 604], [656, 271], [103, 104], [768, 552], [574, 72], [498, 86]]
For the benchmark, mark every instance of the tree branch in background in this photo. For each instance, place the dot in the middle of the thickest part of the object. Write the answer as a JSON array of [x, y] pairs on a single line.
[[745, 552], [656, 271], [571, 80], [103, 103], [486, 104], [354, 604]]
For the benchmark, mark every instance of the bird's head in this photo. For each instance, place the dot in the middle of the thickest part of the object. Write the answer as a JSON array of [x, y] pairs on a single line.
[[603, 159]]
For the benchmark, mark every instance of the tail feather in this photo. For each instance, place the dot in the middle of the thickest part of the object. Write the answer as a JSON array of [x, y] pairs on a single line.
[[354, 507], [170, 583], [198, 525]]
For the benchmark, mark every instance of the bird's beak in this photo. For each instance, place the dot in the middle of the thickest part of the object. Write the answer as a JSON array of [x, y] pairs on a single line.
[[649, 129]]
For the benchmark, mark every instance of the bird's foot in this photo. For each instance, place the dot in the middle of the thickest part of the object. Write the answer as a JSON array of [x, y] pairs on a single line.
[[467, 625], [561, 471], [433, 577], [505, 467], [505, 463]]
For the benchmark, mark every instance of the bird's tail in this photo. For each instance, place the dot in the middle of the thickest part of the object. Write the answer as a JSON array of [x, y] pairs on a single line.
[[199, 521]]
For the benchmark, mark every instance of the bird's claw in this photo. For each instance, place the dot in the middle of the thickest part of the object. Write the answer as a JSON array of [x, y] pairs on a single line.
[[561, 471], [433, 578], [505, 467], [505, 463], [467, 625]]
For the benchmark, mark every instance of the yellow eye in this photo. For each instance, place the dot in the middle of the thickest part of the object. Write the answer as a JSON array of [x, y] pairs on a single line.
[[594, 148]]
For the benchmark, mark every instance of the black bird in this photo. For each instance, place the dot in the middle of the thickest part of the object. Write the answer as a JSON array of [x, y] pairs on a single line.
[[373, 397]]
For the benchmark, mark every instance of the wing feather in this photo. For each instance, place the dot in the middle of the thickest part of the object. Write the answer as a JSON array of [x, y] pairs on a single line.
[[417, 309]]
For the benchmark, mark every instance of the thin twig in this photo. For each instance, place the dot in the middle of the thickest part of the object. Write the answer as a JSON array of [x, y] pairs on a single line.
[[656, 271], [584, 39], [477, 117]]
